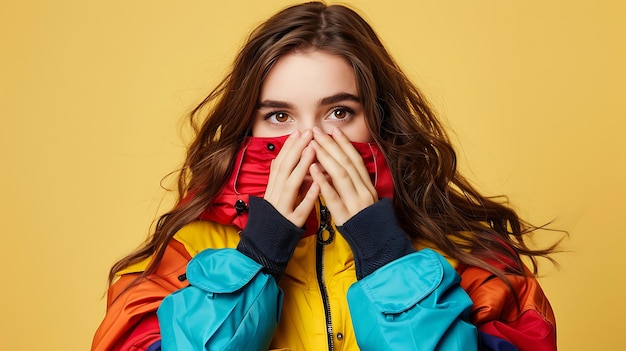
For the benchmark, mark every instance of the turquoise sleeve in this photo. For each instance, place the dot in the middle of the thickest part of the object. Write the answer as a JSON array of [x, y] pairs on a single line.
[[412, 303], [229, 305]]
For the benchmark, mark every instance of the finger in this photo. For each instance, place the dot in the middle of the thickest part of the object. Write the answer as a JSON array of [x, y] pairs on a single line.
[[289, 190], [302, 211], [293, 147], [288, 144], [340, 175], [351, 160], [346, 180], [331, 197], [284, 164], [347, 183], [273, 165], [290, 154], [357, 160]]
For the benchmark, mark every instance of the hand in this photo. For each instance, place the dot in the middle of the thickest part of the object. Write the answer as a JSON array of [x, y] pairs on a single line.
[[287, 174], [351, 190]]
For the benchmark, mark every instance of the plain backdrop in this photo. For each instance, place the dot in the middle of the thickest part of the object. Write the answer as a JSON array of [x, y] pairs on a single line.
[[93, 96]]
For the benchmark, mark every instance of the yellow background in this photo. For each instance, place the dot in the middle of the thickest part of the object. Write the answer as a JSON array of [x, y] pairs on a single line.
[[93, 93]]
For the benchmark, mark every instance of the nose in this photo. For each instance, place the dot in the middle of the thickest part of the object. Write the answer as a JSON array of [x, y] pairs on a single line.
[[310, 122]]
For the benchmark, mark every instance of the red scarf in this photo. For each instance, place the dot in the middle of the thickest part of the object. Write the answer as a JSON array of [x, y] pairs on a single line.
[[251, 173]]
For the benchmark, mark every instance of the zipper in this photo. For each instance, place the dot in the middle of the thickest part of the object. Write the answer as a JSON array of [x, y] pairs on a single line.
[[324, 227]]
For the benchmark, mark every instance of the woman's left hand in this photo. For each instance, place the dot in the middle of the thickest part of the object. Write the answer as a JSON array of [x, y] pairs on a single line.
[[351, 189]]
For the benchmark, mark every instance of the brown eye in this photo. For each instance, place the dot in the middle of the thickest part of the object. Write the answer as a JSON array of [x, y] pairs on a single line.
[[340, 114], [281, 117]]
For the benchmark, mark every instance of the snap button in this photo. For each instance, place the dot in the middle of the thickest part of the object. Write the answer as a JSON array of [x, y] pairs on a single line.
[[241, 207], [339, 336], [271, 146]]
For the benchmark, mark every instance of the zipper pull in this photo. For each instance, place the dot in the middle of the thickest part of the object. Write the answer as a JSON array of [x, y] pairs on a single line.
[[325, 227]]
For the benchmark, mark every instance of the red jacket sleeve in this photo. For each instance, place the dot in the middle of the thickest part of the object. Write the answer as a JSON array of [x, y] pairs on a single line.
[[144, 334], [130, 319], [529, 325]]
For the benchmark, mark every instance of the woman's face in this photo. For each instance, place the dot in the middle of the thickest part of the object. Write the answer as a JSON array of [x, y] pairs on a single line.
[[308, 89]]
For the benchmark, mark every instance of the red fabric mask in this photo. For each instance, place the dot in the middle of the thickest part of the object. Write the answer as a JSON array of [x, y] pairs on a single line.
[[251, 173]]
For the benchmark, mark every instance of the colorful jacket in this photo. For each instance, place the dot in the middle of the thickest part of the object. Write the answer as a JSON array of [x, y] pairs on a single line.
[[206, 293], [131, 323]]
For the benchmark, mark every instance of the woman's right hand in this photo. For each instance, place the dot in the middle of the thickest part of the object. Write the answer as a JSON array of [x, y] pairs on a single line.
[[287, 173]]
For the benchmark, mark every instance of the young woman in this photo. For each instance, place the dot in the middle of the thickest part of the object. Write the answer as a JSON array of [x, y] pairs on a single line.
[[320, 208]]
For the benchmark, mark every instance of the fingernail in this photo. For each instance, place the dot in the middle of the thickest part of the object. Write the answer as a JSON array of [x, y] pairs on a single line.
[[316, 130], [337, 131], [295, 133]]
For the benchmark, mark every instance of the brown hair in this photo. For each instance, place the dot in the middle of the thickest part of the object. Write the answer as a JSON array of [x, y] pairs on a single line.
[[433, 202]]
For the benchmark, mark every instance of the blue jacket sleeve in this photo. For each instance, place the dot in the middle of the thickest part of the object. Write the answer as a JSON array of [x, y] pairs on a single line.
[[412, 303], [229, 305]]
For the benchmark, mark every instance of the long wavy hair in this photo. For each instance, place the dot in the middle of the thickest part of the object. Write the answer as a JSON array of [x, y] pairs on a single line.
[[433, 202]]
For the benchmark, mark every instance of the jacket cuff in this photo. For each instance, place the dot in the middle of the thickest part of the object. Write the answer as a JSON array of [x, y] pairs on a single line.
[[221, 271], [375, 237], [229, 305], [269, 238], [416, 299]]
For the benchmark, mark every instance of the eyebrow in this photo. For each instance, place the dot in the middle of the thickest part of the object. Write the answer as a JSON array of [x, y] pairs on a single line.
[[329, 100], [338, 98]]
